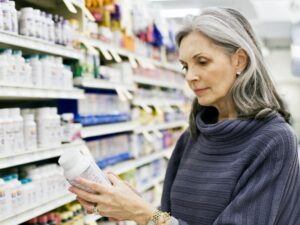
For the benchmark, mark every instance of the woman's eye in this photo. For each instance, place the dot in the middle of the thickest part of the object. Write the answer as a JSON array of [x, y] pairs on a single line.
[[202, 62], [184, 68]]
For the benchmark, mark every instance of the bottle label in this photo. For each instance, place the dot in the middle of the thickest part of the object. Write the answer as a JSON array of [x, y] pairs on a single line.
[[92, 173]]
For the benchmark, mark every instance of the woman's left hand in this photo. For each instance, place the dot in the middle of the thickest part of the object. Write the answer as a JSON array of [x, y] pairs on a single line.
[[118, 201]]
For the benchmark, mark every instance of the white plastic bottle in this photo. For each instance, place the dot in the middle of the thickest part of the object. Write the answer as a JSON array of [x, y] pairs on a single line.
[[18, 141], [14, 17], [3, 197], [6, 15], [44, 127], [1, 16], [3, 68], [8, 131], [56, 127], [30, 132], [36, 72], [3, 150], [75, 164]]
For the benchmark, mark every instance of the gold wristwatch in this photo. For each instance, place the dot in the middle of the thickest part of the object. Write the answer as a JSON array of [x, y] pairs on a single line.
[[159, 218]]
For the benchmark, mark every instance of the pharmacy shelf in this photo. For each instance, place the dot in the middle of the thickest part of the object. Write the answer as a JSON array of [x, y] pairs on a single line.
[[106, 129], [135, 163], [7, 92], [38, 210], [100, 84], [10, 160], [124, 52], [162, 126], [151, 184], [11, 39], [157, 102], [142, 80]]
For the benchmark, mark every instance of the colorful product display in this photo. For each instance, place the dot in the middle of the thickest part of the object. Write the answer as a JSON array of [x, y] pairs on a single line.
[[147, 145], [70, 214], [110, 150], [93, 109]]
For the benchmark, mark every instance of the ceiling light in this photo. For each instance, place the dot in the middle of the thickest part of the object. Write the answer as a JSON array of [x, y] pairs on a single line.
[[177, 13]]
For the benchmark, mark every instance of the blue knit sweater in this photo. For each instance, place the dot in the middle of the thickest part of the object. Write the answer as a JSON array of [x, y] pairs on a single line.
[[237, 172]]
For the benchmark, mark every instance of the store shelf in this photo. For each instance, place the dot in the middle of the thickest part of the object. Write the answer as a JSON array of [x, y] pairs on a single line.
[[105, 129], [157, 102], [38, 93], [165, 84], [100, 84], [38, 210], [124, 52], [36, 155], [162, 126], [11, 39], [151, 184], [134, 163]]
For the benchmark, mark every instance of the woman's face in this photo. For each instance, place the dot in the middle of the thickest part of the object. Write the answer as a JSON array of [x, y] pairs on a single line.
[[209, 70]]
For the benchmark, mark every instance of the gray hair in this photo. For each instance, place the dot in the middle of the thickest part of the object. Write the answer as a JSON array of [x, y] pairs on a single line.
[[253, 92]]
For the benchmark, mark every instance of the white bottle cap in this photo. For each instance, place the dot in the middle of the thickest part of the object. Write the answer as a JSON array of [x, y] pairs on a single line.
[[74, 163]]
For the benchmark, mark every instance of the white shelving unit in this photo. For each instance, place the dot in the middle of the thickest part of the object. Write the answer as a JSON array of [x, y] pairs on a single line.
[[38, 93], [11, 39], [36, 155], [98, 130], [99, 84], [163, 126], [124, 52], [143, 80], [134, 163], [37, 210], [157, 102]]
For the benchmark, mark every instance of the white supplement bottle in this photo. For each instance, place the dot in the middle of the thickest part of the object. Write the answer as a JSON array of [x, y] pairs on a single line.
[[30, 132], [75, 164]]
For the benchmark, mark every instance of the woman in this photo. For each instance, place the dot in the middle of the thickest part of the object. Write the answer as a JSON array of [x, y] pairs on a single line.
[[237, 164]]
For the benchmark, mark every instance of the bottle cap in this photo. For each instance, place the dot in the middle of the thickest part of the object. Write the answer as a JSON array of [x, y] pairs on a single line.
[[70, 158]]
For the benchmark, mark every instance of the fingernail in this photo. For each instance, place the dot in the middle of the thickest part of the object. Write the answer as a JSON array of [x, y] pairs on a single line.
[[78, 179]]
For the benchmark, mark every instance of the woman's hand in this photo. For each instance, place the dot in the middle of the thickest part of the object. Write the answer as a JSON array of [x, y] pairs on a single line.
[[118, 201]]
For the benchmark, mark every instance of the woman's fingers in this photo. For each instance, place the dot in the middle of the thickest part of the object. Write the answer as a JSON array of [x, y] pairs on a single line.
[[113, 178], [84, 195], [87, 205], [100, 188]]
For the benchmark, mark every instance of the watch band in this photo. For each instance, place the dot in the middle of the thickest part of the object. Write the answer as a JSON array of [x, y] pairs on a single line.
[[159, 218]]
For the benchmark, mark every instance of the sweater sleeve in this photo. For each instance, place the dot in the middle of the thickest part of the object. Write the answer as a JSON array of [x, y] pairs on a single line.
[[268, 188]]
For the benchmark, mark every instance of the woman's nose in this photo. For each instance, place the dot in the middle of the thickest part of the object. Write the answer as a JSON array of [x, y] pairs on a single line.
[[191, 75]]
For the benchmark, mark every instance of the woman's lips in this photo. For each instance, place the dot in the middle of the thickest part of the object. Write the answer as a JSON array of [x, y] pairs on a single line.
[[200, 91]]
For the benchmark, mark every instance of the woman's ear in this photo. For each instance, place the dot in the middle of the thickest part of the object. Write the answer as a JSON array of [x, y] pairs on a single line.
[[240, 60]]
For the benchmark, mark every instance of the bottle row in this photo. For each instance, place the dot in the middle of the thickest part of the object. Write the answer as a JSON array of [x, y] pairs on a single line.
[[36, 23], [34, 129], [31, 186], [98, 104], [36, 71]]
